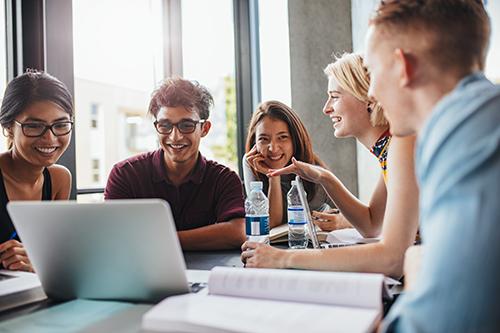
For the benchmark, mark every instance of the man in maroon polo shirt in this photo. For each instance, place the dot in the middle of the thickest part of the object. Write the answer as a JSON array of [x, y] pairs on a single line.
[[206, 197]]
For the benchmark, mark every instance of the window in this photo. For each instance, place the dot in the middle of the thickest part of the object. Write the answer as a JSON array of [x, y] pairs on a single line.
[[274, 51], [493, 60], [118, 62], [112, 54], [208, 57], [94, 115]]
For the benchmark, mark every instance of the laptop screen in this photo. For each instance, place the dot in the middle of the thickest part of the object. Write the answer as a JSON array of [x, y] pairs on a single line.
[[307, 212]]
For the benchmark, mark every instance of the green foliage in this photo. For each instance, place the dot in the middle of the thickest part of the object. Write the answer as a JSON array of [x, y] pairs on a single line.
[[228, 151]]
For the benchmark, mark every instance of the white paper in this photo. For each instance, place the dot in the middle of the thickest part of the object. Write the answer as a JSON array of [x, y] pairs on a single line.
[[338, 288], [198, 313], [19, 282], [273, 300], [348, 236], [197, 275]]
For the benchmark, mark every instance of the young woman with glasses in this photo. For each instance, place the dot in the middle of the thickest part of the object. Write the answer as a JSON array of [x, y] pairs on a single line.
[[37, 118]]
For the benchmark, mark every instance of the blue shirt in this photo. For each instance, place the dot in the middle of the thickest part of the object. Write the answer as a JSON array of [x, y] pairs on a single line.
[[458, 169]]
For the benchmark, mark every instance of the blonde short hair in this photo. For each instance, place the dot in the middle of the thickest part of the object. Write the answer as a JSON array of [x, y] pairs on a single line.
[[351, 75]]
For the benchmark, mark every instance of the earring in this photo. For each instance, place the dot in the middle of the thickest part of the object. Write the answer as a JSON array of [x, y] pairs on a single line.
[[369, 109]]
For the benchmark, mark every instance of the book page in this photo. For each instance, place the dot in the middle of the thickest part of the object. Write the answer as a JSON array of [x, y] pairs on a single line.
[[198, 313], [334, 288], [279, 233], [17, 281], [348, 236]]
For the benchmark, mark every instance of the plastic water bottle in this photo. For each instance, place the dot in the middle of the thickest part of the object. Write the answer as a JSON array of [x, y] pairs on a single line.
[[257, 214], [297, 232]]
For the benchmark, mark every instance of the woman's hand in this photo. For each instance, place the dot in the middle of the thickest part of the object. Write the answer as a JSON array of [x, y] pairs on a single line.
[[13, 256], [330, 220], [259, 255], [256, 161], [309, 172]]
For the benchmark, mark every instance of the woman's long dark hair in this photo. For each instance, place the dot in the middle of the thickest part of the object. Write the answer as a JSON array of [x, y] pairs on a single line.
[[302, 146]]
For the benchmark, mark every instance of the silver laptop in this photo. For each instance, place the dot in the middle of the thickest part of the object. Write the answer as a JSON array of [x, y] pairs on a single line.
[[313, 236], [115, 250]]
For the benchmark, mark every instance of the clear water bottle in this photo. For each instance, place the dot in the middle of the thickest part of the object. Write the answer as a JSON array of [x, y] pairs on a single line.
[[257, 214], [297, 232]]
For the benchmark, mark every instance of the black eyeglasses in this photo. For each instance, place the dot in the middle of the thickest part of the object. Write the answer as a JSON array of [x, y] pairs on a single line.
[[185, 126], [34, 130]]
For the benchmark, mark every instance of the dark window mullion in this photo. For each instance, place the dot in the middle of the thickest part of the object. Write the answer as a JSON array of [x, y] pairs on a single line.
[[58, 25], [248, 91]]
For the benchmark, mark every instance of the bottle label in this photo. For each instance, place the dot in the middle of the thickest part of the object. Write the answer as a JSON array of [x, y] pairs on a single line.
[[296, 215], [257, 225]]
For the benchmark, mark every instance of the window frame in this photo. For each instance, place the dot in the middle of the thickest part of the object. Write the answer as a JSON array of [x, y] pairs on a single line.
[[39, 36]]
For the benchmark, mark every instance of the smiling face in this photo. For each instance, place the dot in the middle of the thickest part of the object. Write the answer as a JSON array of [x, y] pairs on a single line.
[[274, 142], [179, 147], [349, 115], [44, 150]]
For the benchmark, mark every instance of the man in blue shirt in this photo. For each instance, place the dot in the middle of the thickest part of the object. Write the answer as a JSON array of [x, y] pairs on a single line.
[[425, 59]]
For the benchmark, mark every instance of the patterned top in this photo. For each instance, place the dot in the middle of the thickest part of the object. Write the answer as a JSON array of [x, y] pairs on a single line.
[[380, 149]]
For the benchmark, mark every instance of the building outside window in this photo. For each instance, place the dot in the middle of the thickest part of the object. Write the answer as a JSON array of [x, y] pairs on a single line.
[[118, 62], [208, 57], [113, 86], [274, 45]]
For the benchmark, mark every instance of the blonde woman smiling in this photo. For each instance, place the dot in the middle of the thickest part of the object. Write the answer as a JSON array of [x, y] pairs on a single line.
[[392, 210]]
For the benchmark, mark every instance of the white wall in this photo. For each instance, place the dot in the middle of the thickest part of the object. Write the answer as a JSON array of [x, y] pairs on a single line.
[[368, 168]]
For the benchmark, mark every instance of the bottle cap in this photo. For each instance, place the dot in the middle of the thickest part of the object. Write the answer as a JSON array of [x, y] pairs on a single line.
[[256, 185]]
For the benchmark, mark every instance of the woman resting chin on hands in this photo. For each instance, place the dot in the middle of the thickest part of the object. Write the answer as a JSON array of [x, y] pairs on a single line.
[[257, 161], [275, 136], [392, 211]]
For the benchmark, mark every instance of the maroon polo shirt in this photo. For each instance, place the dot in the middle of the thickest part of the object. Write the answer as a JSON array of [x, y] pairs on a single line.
[[212, 192]]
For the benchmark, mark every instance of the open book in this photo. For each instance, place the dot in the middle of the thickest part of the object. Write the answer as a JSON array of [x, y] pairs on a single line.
[[19, 288], [270, 300], [279, 234]]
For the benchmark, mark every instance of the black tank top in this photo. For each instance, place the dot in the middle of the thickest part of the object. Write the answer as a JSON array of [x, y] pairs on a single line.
[[6, 227]]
